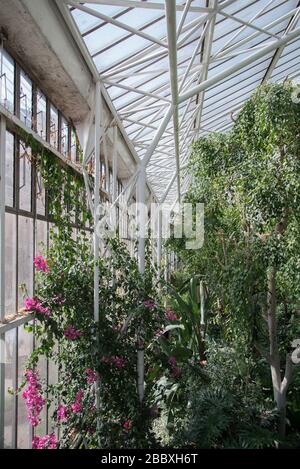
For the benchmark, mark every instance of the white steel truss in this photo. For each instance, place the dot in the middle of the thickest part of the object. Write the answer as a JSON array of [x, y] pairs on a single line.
[[161, 75]]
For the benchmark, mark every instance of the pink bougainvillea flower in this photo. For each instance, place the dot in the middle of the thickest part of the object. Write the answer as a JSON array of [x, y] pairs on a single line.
[[62, 413], [71, 333], [105, 360], [76, 407], [176, 372], [35, 306], [59, 300], [41, 264], [170, 315], [79, 395], [127, 425], [172, 361], [118, 361], [45, 442], [149, 304], [91, 375], [159, 333], [34, 401]]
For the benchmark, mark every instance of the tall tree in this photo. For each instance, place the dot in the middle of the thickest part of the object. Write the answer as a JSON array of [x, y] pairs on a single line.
[[249, 181]]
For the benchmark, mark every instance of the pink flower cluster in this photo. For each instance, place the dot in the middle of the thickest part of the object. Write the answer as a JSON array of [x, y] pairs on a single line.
[[34, 400], [175, 370], [127, 425], [77, 404], [172, 361], [170, 315], [45, 442], [119, 362], [41, 264], [62, 413], [34, 305], [149, 304], [91, 375], [71, 333], [58, 300]]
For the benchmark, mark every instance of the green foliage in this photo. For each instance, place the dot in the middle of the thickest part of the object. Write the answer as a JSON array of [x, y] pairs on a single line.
[[225, 411], [68, 291], [249, 181], [65, 187], [190, 336]]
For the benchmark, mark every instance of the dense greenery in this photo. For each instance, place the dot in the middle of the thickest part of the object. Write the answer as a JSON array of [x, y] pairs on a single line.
[[232, 309], [249, 181]]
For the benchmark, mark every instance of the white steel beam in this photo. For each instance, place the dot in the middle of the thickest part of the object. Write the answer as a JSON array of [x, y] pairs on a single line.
[[151, 51], [254, 35], [239, 66], [116, 23], [145, 5], [240, 30], [172, 41], [206, 59], [2, 274], [2, 215], [135, 90], [279, 51], [98, 117], [115, 163], [183, 17], [248, 24], [141, 218]]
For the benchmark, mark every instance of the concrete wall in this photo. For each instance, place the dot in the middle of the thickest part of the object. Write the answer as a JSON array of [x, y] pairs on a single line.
[[40, 41]]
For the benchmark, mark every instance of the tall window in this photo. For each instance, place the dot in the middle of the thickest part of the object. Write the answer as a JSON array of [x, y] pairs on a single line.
[[7, 81], [9, 170], [25, 178], [41, 115], [53, 126], [64, 133], [73, 146], [25, 99]]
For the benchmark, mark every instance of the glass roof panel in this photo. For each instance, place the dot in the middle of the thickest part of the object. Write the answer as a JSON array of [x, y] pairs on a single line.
[[252, 26]]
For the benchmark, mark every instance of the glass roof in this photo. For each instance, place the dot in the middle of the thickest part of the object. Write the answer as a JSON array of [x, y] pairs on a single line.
[[128, 42]]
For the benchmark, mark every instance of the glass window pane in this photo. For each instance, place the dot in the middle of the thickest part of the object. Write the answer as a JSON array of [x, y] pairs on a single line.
[[25, 99], [64, 137], [73, 146], [53, 126], [10, 264], [41, 238], [41, 117], [42, 368], [7, 82], [9, 170], [25, 258], [9, 371], [24, 429], [40, 196], [25, 178]]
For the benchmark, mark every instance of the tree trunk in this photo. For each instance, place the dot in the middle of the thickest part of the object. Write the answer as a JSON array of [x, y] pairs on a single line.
[[202, 353], [279, 387]]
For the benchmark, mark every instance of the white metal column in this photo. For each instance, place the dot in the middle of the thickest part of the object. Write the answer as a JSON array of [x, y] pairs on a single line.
[[98, 113], [2, 273], [98, 116], [159, 241], [141, 199]]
